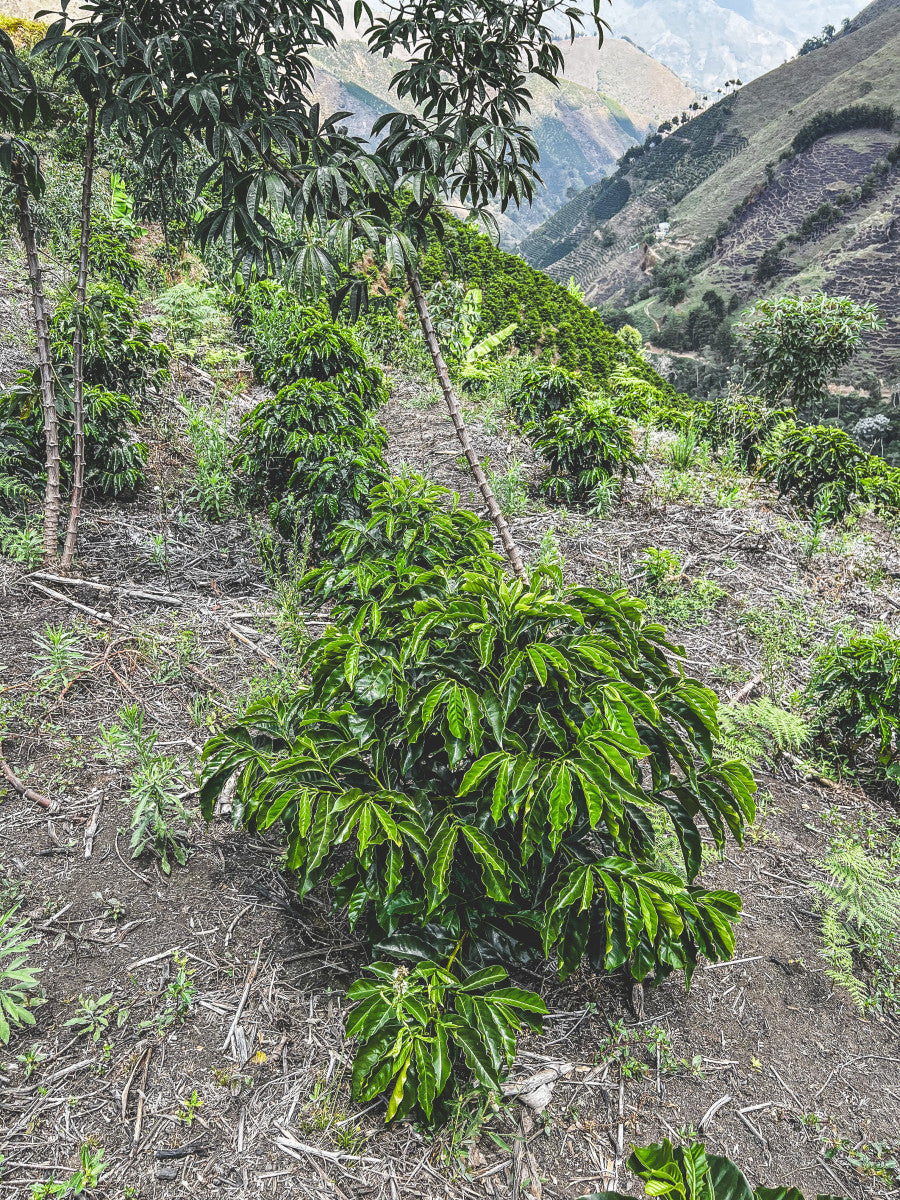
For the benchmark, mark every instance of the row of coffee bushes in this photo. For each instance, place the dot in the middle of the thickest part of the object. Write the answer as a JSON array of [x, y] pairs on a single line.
[[471, 764]]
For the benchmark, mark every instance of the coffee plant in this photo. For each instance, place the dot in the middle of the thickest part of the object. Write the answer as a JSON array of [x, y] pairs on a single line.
[[325, 352], [114, 458], [854, 698], [415, 1025], [583, 445], [331, 479], [688, 1173], [544, 390], [481, 770], [415, 527], [283, 428], [120, 351], [802, 461], [745, 422]]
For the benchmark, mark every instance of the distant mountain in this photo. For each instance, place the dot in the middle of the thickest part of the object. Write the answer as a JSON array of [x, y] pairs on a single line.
[[709, 41], [609, 99], [731, 201]]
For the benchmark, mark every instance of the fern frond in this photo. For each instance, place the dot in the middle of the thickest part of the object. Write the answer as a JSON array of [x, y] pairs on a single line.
[[759, 732], [837, 950]]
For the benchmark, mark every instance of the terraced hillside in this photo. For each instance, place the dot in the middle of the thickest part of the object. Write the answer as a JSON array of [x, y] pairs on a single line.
[[732, 187]]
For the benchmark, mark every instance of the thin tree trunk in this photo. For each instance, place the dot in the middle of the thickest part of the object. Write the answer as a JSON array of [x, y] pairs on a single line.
[[45, 363], [87, 187], [510, 547]]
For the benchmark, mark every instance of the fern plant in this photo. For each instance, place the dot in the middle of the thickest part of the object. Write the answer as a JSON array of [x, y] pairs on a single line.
[[759, 732], [859, 903], [583, 446], [489, 750], [17, 978]]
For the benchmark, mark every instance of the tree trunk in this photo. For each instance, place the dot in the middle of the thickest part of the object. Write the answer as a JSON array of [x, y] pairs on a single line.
[[87, 187], [45, 363], [510, 547]]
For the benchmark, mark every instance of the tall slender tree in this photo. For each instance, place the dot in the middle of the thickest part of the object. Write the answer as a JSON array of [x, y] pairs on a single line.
[[90, 68], [236, 77], [20, 163]]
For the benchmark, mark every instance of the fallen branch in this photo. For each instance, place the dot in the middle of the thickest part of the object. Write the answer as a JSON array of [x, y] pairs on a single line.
[[22, 788], [108, 588]]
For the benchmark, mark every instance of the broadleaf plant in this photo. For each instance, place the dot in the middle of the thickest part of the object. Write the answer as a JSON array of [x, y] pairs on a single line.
[[475, 763], [689, 1173], [414, 1026]]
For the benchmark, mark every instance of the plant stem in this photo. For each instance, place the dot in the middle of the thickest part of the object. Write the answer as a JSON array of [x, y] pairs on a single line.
[[494, 511], [45, 363], [87, 185]]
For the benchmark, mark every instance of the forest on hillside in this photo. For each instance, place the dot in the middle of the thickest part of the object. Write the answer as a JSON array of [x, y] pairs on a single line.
[[438, 755]]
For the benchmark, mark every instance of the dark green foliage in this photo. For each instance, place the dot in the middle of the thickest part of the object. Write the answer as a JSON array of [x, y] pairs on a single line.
[[280, 428], [109, 257], [414, 527], [583, 445], [120, 353], [806, 462], [768, 265], [325, 352], [266, 315], [415, 1027], [794, 344], [331, 480], [479, 769], [854, 116], [548, 318], [114, 458], [544, 390], [688, 1173], [854, 697]]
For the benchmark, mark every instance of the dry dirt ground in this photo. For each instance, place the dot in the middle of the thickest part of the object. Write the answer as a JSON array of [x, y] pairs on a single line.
[[221, 1069]]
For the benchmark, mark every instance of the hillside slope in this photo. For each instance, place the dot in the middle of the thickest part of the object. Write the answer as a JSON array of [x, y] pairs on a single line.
[[608, 100], [729, 198]]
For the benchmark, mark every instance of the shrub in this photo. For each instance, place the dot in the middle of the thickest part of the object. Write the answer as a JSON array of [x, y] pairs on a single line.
[[689, 1173], [266, 315], [110, 257], [114, 458], [332, 476], [415, 1026], [120, 353], [854, 697], [802, 461], [477, 774], [414, 528], [745, 422], [547, 317], [326, 353], [544, 390], [583, 445], [281, 428]]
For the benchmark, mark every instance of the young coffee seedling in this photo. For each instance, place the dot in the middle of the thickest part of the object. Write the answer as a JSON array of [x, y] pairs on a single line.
[[17, 978]]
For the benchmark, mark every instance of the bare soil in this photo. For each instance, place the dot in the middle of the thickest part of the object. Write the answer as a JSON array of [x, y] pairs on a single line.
[[762, 1054]]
